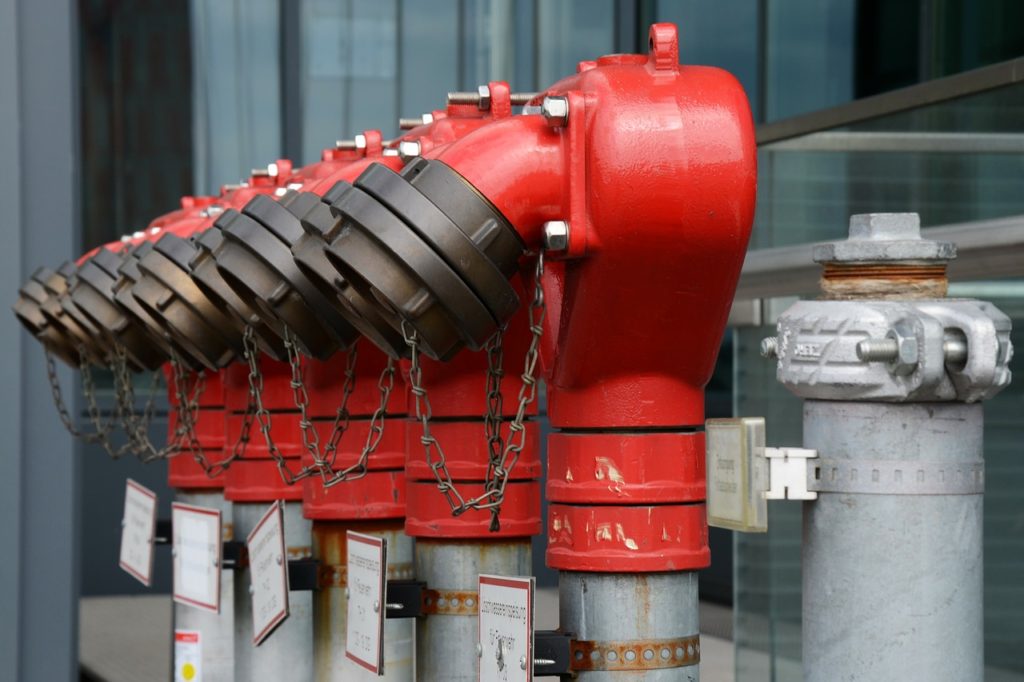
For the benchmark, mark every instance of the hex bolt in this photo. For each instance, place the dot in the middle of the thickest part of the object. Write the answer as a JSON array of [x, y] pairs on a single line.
[[770, 348], [270, 171], [408, 149], [556, 235], [479, 650], [355, 144], [410, 123], [555, 110], [518, 99], [522, 662]]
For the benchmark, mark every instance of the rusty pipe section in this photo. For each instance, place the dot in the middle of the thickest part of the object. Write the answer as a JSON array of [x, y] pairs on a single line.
[[445, 648], [330, 602]]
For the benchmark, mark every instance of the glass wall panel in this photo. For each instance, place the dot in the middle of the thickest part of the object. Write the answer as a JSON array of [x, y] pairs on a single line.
[[571, 31], [953, 162], [236, 89]]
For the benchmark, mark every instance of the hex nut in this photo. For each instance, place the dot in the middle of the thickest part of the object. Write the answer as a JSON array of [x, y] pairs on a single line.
[[555, 110], [408, 149], [907, 355], [485, 97], [556, 235]]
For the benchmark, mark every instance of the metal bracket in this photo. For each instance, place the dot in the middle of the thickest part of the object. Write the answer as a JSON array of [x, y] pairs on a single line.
[[303, 575], [787, 473], [162, 534], [552, 653], [405, 598], [234, 555]]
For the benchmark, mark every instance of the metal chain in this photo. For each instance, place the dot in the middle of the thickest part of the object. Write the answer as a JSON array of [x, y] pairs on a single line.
[[385, 384], [498, 475], [62, 410], [495, 401], [103, 431], [310, 437], [135, 427], [188, 415], [263, 414]]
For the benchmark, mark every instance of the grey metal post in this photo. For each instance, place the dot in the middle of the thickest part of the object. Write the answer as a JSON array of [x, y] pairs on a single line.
[[633, 607], [330, 605], [446, 641], [216, 630], [39, 493], [893, 374], [288, 653]]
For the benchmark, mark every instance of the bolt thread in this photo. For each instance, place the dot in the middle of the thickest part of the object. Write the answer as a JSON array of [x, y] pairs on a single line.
[[770, 347], [877, 350]]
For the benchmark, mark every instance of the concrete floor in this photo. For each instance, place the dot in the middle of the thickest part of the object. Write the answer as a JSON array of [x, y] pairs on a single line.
[[127, 639]]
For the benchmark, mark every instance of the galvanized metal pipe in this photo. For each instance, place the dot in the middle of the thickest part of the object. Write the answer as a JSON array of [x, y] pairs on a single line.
[[446, 644], [892, 583], [216, 630], [631, 607], [287, 654], [330, 605]]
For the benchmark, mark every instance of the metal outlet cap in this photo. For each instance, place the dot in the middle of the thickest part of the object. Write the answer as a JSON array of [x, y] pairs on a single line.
[[129, 274], [62, 314], [211, 282], [361, 313], [256, 261], [170, 296], [94, 295], [28, 308], [428, 250]]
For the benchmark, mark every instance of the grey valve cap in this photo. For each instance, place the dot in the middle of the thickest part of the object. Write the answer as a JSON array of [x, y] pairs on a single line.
[[884, 237]]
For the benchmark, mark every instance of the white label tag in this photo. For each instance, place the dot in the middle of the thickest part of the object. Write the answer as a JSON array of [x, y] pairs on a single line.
[[138, 525], [197, 555], [367, 589], [188, 656], [268, 567], [506, 629]]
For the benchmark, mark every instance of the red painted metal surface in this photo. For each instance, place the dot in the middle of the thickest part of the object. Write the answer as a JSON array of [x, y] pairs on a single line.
[[655, 173], [626, 468], [654, 169], [429, 516], [627, 539], [458, 397]]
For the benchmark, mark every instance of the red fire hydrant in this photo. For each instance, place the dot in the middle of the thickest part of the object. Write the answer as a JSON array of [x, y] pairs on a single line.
[[638, 175]]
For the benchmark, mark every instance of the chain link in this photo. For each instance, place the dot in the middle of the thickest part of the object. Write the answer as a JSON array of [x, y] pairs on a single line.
[[342, 419], [385, 384], [323, 461], [499, 468], [62, 410], [263, 418], [135, 426]]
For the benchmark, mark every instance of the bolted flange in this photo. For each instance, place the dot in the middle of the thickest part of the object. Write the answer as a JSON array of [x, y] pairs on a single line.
[[877, 336]]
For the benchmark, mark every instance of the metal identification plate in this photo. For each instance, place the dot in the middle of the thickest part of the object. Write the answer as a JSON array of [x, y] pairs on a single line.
[[138, 525], [367, 564], [506, 629], [268, 568], [737, 474], [196, 546]]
